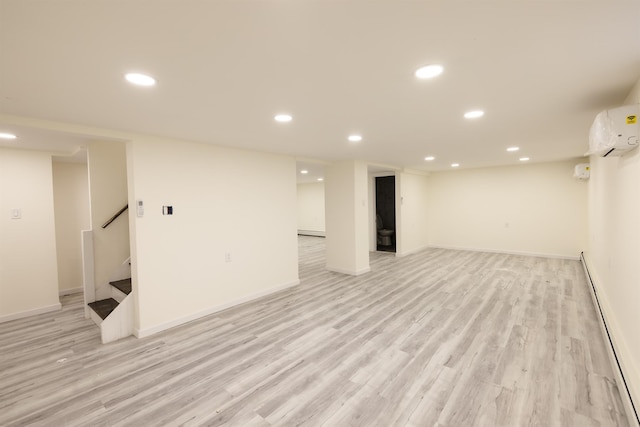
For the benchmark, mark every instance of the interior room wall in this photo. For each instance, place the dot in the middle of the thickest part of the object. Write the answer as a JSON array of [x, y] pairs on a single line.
[[412, 203], [311, 209], [347, 217], [232, 235], [614, 250], [28, 265], [108, 193], [71, 205], [536, 209]]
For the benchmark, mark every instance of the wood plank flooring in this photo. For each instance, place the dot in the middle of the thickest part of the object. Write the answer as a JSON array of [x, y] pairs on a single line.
[[437, 338]]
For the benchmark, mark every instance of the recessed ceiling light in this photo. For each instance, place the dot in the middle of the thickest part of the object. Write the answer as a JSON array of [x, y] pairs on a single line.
[[304, 171], [429, 158], [524, 159], [429, 71], [140, 79], [512, 149], [7, 136], [473, 114], [355, 138], [320, 179], [455, 165], [283, 118]]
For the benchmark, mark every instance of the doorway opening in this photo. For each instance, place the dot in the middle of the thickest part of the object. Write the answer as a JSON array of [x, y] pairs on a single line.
[[386, 213]]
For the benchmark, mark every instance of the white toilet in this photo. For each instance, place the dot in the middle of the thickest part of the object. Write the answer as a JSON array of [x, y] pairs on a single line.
[[384, 235]]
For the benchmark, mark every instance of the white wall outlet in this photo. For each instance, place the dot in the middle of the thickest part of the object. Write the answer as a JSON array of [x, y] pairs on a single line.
[[227, 257], [16, 213]]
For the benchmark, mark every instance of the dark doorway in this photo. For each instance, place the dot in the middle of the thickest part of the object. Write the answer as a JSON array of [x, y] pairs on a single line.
[[386, 213]]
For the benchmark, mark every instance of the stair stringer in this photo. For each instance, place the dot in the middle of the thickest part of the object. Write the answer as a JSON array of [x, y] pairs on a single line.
[[119, 323]]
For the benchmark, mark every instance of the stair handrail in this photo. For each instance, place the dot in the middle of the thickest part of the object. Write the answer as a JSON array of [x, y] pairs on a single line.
[[117, 214]]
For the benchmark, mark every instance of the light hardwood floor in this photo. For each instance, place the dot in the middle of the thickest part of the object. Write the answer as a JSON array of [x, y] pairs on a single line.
[[438, 338]]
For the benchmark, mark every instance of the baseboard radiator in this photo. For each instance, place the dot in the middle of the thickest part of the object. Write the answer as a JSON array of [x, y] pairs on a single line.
[[625, 393]]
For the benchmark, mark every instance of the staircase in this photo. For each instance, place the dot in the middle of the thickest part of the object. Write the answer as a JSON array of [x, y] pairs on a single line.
[[104, 307], [114, 315], [110, 303]]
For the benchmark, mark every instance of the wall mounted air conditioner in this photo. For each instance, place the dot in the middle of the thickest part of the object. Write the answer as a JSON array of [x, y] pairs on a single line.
[[582, 171], [615, 131]]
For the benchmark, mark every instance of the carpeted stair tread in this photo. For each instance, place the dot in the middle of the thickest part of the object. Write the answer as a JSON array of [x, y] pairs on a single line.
[[104, 307], [123, 285]]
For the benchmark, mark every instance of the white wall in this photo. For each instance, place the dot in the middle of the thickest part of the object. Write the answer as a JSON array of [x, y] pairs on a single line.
[[311, 208], [226, 202], [71, 205], [28, 266], [108, 193], [346, 214], [537, 209], [634, 95], [411, 207], [613, 253]]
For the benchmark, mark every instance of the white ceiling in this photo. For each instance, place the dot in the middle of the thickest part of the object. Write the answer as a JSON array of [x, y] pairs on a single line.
[[540, 70], [59, 143]]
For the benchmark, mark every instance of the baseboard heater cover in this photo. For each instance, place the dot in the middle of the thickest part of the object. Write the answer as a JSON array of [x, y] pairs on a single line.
[[606, 329]]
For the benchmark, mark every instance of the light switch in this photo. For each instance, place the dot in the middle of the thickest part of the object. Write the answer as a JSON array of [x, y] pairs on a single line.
[[16, 213]]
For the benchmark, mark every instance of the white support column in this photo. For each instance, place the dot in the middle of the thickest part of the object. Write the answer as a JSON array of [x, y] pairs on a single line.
[[347, 218]]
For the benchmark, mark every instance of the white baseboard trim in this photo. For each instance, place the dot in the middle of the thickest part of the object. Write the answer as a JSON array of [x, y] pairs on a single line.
[[349, 272], [69, 291], [411, 251], [145, 332], [28, 313], [617, 350], [497, 251], [311, 233]]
